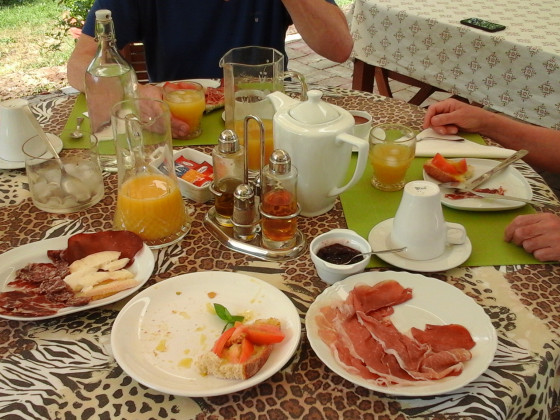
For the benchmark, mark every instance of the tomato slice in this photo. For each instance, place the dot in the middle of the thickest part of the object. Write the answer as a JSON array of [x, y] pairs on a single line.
[[459, 167], [247, 349], [262, 334], [222, 340]]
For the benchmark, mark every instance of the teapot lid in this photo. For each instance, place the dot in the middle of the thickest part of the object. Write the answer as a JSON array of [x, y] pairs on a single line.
[[314, 110]]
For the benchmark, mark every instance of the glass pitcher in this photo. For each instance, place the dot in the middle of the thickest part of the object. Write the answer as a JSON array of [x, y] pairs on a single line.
[[250, 74], [149, 201]]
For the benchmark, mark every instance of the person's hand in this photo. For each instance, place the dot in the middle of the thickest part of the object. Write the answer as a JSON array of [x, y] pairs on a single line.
[[538, 234], [450, 116], [179, 128]]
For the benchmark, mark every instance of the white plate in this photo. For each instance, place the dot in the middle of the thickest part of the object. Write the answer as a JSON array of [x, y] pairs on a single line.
[[510, 179], [161, 332], [454, 255], [433, 302], [214, 83], [19, 257], [10, 164]]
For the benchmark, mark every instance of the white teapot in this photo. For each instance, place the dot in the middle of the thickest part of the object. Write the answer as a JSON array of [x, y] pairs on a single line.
[[316, 136]]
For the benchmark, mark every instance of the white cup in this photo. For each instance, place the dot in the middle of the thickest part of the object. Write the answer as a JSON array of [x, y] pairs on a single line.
[[362, 123], [15, 129], [419, 224]]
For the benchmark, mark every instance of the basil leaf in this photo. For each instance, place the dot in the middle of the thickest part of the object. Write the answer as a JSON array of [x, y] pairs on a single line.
[[225, 315], [222, 312]]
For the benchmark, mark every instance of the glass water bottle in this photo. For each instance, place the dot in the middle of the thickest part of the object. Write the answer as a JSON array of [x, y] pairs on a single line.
[[109, 77]]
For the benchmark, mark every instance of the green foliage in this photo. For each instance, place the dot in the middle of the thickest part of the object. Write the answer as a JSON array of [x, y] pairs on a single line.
[[74, 13]]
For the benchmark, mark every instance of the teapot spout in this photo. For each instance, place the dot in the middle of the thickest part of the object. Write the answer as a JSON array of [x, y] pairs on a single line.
[[280, 100]]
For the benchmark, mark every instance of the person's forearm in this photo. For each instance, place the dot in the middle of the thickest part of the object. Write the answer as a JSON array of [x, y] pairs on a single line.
[[323, 27], [542, 143], [79, 61]]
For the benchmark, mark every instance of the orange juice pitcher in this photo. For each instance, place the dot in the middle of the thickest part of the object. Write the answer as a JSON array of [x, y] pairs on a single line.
[[250, 74], [149, 201]]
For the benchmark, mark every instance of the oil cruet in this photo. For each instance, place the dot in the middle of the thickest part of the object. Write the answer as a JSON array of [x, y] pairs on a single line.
[[149, 201], [279, 207]]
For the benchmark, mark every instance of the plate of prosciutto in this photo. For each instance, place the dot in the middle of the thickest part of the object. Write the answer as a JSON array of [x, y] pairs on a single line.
[[401, 333], [73, 273]]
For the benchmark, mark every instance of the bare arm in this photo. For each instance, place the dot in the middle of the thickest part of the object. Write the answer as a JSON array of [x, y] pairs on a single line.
[[543, 144], [323, 26], [79, 61]]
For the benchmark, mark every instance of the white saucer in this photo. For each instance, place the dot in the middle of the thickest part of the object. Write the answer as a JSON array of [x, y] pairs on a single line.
[[10, 164], [453, 256]]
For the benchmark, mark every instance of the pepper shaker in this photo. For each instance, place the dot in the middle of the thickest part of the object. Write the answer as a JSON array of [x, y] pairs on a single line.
[[245, 217], [279, 207]]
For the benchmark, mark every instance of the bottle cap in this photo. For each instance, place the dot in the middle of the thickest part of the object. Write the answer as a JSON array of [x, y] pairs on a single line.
[[243, 192], [102, 14], [228, 142], [280, 162]]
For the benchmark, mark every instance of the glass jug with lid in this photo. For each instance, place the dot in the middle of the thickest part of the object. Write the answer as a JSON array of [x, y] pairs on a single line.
[[149, 201], [250, 74]]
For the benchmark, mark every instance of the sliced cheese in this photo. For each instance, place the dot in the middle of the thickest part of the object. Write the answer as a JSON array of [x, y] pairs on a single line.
[[83, 279], [94, 262]]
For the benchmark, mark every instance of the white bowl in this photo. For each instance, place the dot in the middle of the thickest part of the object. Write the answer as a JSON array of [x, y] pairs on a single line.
[[331, 273], [195, 193]]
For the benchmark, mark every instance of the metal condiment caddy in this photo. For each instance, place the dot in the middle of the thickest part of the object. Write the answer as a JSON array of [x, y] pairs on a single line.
[[243, 232]]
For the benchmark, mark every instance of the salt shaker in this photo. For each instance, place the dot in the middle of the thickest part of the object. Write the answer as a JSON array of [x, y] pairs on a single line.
[[229, 172], [279, 207], [245, 216]]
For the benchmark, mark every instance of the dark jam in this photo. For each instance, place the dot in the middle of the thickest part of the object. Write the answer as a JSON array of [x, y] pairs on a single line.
[[338, 254]]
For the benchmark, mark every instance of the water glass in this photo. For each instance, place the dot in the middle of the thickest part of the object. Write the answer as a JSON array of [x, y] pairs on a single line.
[[71, 183], [391, 150]]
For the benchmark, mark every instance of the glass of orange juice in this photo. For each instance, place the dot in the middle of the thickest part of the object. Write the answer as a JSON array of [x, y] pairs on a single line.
[[392, 148], [149, 201], [187, 102]]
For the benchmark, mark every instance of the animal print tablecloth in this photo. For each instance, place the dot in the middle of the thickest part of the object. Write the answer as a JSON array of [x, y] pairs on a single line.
[[63, 368]]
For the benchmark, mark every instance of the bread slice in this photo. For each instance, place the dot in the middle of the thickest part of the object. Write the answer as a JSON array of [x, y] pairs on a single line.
[[211, 364]]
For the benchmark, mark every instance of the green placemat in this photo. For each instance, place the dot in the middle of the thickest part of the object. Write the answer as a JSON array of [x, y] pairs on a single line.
[[212, 126], [364, 207]]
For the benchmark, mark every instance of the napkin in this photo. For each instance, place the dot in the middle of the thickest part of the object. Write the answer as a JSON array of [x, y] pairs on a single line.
[[448, 148], [105, 134]]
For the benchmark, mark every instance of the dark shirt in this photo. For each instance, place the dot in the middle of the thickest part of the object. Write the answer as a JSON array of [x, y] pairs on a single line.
[[186, 39]]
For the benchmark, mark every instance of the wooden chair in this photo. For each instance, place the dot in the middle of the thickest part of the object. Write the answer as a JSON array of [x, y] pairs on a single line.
[[134, 53], [365, 74]]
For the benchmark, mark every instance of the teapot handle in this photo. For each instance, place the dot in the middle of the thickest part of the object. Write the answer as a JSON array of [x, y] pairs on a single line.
[[301, 79], [363, 149]]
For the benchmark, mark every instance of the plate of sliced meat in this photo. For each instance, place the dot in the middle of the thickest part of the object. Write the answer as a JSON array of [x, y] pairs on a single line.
[[401, 333], [50, 278]]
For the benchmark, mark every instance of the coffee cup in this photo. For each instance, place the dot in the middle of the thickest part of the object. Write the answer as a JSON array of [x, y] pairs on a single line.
[[15, 129], [419, 224], [362, 123]]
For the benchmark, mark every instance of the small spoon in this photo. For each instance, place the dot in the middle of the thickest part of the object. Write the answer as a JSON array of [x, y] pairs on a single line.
[[77, 134], [363, 254]]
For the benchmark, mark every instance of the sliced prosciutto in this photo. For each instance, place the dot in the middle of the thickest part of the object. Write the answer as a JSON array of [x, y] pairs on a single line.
[[363, 338], [444, 337]]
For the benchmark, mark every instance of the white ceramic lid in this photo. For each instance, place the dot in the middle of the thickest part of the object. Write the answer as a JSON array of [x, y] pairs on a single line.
[[314, 110]]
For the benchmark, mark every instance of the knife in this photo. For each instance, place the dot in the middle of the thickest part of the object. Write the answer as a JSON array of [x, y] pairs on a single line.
[[473, 183], [500, 196]]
